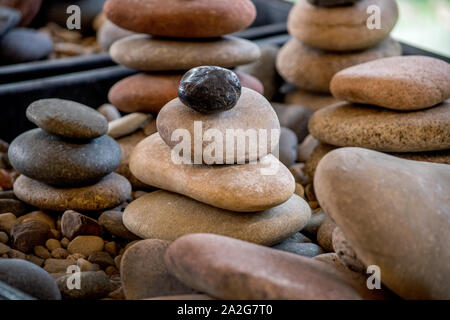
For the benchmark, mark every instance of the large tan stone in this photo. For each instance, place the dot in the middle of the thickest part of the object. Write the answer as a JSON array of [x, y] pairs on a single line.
[[394, 213], [398, 83], [168, 216], [246, 187]]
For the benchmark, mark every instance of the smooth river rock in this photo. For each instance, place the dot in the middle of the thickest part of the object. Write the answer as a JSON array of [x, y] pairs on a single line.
[[146, 53], [252, 112], [57, 161], [399, 83], [312, 69], [144, 273], [68, 119], [234, 269], [353, 125], [342, 28], [246, 187], [168, 216], [181, 19], [405, 234], [107, 193]]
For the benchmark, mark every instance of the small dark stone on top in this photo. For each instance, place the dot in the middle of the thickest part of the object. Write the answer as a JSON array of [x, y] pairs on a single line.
[[66, 118], [209, 89]]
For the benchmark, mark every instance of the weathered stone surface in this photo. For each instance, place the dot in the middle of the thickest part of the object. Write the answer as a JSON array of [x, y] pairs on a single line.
[[234, 269], [238, 188], [398, 83], [53, 160], [29, 278], [312, 69], [252, 112], [345, 252], [349, 184], [24, 45], [107, 193], [67, 118], [144, 273], [181, 19], [165, 215], [143, 52], [342, 28], [380, 129]]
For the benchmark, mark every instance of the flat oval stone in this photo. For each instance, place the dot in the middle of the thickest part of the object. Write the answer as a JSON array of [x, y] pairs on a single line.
[[9, 18], [146, 53], [398, 83], [312, 69], [252, 112], [246, 187], [343, 28], [384, 204], [29, 278], [234, 269], [311, 100], [24, 45], [347, 124], [66, 118], [110, 33], [181, 19], [168, 216], [209, 89], [144, 92], [109, 192], [144, 273], [53, 160]]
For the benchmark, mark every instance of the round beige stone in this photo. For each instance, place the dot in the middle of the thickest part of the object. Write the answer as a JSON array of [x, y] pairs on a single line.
[[85, 245], [142, 52], [347, 124], [252, 112], [398, 83], [167, 216], [342, 28], [107, 193], [312, 69], [247, 187]]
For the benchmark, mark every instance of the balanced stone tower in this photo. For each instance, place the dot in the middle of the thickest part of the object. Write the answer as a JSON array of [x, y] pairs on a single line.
[[211, 185], [175, 36], [329, 36], [67, 162], [396, 105]]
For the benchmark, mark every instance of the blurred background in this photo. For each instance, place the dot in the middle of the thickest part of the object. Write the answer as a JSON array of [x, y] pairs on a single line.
[[424, 24]]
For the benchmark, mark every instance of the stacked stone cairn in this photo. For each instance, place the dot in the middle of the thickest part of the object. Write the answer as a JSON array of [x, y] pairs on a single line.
[[216, 192], [175, 36], [396, 105], [329, 36], [67, 162]]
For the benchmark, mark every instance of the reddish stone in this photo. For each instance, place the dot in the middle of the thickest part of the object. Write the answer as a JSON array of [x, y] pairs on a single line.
[[181, 18]]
